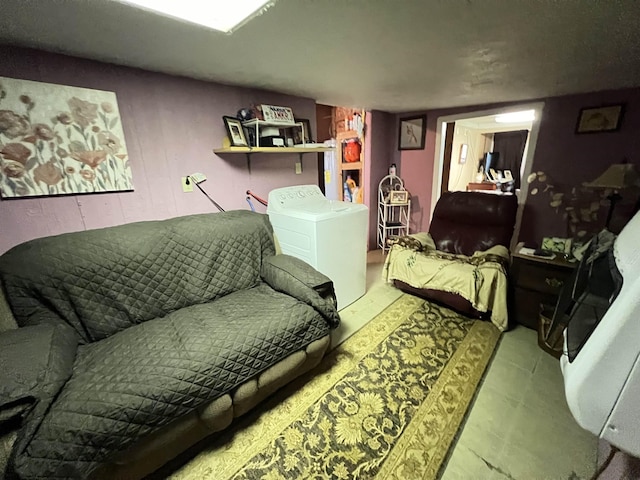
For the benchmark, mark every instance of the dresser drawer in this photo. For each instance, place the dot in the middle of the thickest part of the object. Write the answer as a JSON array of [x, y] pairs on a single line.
[[539, 277], [535, 281]]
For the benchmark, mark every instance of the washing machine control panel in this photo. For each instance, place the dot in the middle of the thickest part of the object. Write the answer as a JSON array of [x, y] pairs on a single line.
[[295, 196]]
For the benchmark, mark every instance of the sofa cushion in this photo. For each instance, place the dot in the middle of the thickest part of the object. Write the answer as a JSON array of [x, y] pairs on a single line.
[[134, 382], [103, 281]]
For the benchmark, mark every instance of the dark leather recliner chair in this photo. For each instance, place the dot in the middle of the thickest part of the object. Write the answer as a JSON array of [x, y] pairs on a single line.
[[464, 223]]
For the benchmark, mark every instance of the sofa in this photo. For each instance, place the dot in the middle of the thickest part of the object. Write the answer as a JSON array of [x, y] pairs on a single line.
[[132, 343], [462, 261]]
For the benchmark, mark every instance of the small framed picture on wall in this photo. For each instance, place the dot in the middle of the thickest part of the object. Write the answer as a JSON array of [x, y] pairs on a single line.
[[463, 153], [600, 119], [411, 133]]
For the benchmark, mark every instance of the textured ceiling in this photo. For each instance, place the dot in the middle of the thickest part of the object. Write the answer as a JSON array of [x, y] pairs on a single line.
[[392, 55]]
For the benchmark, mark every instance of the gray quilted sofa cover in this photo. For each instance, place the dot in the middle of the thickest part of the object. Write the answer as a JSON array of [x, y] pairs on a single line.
[[126, 330]]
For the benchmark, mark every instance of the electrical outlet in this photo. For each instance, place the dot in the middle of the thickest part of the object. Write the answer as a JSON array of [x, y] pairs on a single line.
[[187, 187], [298, 167]]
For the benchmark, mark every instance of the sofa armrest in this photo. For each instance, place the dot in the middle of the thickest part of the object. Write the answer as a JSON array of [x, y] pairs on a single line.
[[294, 277]]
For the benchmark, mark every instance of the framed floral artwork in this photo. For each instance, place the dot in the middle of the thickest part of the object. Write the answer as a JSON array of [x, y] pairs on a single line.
[[57, 140]]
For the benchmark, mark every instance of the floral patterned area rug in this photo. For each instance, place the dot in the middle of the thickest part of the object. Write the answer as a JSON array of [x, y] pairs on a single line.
[[386, 404]]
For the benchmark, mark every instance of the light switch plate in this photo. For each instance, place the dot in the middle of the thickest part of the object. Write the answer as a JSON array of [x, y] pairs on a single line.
[[298, 168], [187, 188]]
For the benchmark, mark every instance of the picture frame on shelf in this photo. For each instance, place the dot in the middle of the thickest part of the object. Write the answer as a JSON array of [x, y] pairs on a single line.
[[398, 197], [235, 131], [301, 135], [411, 132], [606, 118]]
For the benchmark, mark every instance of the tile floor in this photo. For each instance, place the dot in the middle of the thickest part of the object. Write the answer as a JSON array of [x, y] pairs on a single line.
[[519, 426]]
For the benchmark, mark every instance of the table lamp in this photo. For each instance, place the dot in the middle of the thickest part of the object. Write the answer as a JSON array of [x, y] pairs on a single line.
[[617, 177]]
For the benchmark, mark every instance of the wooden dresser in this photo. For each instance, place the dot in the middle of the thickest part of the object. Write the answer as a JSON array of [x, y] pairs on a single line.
[[535, 280], [472, 187]]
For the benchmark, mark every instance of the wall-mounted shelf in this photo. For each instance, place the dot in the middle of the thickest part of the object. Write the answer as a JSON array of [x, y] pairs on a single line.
[[248, 151], [351, 166], [350, 169]]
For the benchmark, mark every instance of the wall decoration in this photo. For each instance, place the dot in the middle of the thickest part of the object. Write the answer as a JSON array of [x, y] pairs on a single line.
[[235, 131], [298, 132], [412, 132], [275, 114], [57, 140], [600, 119], [463, 153], [579, 206]]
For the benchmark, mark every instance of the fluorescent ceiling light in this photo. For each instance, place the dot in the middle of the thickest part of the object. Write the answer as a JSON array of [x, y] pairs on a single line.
[[515, 117], [222, 15]]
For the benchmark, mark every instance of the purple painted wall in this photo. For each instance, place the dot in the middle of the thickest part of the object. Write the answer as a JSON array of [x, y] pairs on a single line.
[[379, 144], [569, 159], [171, 125]]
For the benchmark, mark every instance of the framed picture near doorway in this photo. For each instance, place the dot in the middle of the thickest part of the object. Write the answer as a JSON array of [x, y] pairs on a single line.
[[600, 119], [463, 154], [411, 133]]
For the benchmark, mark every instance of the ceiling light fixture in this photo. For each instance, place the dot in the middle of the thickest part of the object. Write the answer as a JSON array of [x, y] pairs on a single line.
[[515, 117], [221, 15]]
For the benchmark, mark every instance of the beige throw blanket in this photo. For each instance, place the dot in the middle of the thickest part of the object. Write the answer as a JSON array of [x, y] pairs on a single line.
[[481, 278]]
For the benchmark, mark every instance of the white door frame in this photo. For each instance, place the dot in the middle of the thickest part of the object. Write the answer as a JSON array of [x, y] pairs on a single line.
[[531, 150]]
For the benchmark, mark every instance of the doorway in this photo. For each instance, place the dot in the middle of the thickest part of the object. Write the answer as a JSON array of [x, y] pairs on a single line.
[[462, 153], [478, 138]]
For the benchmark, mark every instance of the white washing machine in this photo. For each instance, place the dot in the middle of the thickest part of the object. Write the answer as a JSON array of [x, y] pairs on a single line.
[[327, 234]]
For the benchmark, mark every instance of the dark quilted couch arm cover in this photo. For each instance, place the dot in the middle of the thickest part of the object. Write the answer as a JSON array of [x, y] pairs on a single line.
[[294, 277]]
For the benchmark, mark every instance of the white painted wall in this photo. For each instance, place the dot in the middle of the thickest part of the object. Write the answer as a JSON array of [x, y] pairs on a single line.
[[461, 174]]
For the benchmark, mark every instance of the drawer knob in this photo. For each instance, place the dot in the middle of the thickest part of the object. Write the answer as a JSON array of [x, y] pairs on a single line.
[[553, 282]]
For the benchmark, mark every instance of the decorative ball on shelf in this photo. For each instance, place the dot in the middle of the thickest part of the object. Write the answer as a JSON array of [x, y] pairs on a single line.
[[244, 114]]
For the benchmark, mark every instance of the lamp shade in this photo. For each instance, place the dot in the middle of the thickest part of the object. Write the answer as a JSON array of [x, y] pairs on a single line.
[[616, 177]]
